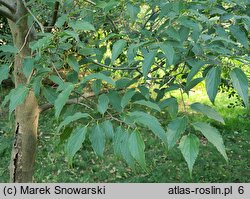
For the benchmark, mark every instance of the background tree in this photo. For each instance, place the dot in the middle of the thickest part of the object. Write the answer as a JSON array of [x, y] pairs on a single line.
[[127, 56]]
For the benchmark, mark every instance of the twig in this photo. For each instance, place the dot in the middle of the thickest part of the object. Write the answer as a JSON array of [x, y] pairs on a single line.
[[26, 38], [115, 68], [40, 25], [57, 71], [77, 100]]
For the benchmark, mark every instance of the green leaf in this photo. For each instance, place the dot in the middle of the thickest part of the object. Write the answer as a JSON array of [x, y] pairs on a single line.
[[149, 59], [148, 104], [137, 147], [36, 85], [96, 86], [117, 49], [208, 111], [189, 146], [240, 83], [240, 35], [213, 82], [196, 66], [172, 105], [72, 118], [123, 83], [213, 136], [133, 11], [56, 80], [175, 128], [103, 102], [192, 84], [108, 129], [119, 131], [72, 61], [50, 94], [115, 100], [4, 71], [168, 51], [28, 65], [62, 99], [100, 76], [18, 96], [8, 49], [171, 32], [74, 142], [97, 139], [125, 150], [151, 122], [81, 26]]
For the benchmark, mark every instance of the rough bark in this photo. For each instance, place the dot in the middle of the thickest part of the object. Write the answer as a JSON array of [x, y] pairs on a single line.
[[27, 114]]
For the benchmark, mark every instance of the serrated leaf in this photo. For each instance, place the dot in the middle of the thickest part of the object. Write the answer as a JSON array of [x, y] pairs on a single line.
[[119, 131], [96, 86], [8, 49], [81, 26], [168, 51], [74, 142], [125, 151], [151, 122], [212, 82], [133, 11], [103, 102], [115, 100], [100, 76], [148, 104], [72, 118], [108, 129], [174, 130], [97, 139], [213, 136], [72, 61], [50, 94], [123, 83], [149, 59], [240, 83], [172, 105], [171, 32], [28, 65], [137, 147], [127, 97], [192, 84], [62, 99], [240, 35], [117, 49], [36, 85], [189, 146], [208, 111], [4, 71], [196, 66], [56, 80], [18, 96]]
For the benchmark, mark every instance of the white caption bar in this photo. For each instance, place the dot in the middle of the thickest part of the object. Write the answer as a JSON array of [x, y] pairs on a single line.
[[125, 191]]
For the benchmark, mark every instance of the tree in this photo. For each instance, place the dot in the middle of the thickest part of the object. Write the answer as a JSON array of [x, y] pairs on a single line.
[[120, 50]]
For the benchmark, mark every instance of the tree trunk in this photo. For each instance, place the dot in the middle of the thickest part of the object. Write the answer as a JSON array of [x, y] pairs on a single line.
[[26, 114]]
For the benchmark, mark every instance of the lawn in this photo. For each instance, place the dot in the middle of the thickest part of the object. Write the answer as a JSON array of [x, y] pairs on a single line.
[[163, 165]]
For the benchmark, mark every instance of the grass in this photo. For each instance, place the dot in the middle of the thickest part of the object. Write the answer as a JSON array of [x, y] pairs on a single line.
[[163, 165]]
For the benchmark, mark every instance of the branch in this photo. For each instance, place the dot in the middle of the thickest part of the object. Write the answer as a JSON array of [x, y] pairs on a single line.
[[11, 8], [55, 15], [115, 68], [7, 14], [77, 100]]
